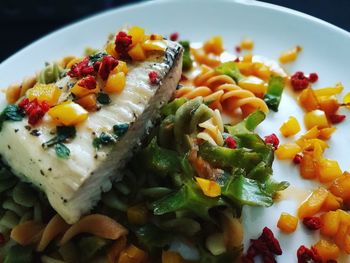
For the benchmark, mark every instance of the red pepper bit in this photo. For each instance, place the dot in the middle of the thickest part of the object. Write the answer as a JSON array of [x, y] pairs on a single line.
[[313, 77], [81, 69], [306, 255], [238, 49], [272, 139], [2, 239], [337, 118], [122, 43], [153, 77], [237, 60], [108, 63], [231, 142], [174, 36], [297, 158], [88, 82], [312, 223], [34, 109], [299, 81]]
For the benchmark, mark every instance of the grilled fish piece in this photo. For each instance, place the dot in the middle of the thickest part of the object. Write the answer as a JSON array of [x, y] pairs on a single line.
[[73, 186]]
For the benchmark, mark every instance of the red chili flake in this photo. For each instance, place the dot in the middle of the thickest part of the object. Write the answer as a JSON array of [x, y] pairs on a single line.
[[81, 69], [297, 158], [299, 81], [238, 49], [231, 142], [2, 239], [272, 139], [237, 60], [272, 243], [88, 82], [174, 36], [108, 63], [312, 222], [153, 77], [313, 77], [337, 118], [306, 255], [122, 43]]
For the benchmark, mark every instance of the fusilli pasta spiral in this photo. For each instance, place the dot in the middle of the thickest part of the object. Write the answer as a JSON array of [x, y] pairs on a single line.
[[213, 129]]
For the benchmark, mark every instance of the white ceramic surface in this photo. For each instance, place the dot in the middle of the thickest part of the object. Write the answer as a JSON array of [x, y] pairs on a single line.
[[274, 29]]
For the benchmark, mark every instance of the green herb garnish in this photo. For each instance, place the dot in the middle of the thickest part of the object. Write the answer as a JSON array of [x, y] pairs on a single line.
[[104, 139], [96, 57], [274, 92], [103, 98], [62, 151], [186, 59], [63, 133], [12, 113], [120, 129]]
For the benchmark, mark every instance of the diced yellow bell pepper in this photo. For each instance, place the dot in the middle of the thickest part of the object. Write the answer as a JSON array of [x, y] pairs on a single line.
[[346, 100], [328, 170], [68, 113], [332, 203], [44, 92], [110, 49], [290, 55], [13, 93], [154, 45], [327, 250], [133, 254], [88, 102], [137, 52], [73, 61], [326, 133], [246, 68], [261, 71], [202, 58], [253, 84], [316, 118], [247, 57], [137, 214], [308, 99], [329, 91], [115, 83], [121, 67], [137, 35], [290, 127], [323, 145], [329, 105], [287, 223], [247, 44], [307, 166], [313, 133], [80, 91], [330, 223], [341, 187], [287, 151], [171, 257], [214, 45], [313, 203], [210, 188]]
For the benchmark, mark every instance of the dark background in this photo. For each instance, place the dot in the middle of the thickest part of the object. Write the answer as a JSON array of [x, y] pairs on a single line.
[[21, 22]]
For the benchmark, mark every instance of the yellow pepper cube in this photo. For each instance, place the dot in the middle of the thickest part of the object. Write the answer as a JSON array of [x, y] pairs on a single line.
[[290, 127], [287, 223], [137, 35], [121, 67], [89, 102], [246, 68], [316, 118], [137, 214], [313, 133], [171, 257], [326, 133], [346, 100], [308, 99], [210, 188], [261, 71], [44, 92], [247, 44], [290, 55], [214, 45], [253, 84], [115, 83], [80, 91], [329, 91], [328, 170], [110, 49], [330, 223], [327, 250], [137, 53], [154, 45], [68, 113], [313, 203], [287, 151]]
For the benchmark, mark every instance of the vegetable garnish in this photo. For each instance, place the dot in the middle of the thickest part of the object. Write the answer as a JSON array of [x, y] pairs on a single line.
[[63, 134], [274, 92], [11, 113]]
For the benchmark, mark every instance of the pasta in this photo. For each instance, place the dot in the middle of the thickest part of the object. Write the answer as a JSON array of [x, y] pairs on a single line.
[[213, 129]]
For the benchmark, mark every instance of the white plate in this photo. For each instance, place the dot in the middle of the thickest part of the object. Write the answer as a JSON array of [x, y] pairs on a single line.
[[274, 29]]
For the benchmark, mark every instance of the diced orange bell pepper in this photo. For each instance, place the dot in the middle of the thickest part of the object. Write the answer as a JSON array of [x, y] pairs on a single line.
[[329, 91], [307, 166], [121, 67], [261, 71], [290, 127], [88, 102], [313, 133], [133, 254], [330, 223], [290, 55], [247, 44], [154, 45], [308, 99], [68, 113], [13, 93], [332, 202], [171, 257], [80, 91], [247, 57], [110, 49], [137, 35], [316, 118], [287, 223], [201, 57], [328, 170], [328, 104], [346, 100], [341, 187], [44, 92], [313, 203], [214, 45], [287, 151], [210, 188], [326, 133], [137, 53], [246, 68], [327, 250], [253, 84], [137, 214], [342, 238], [115, 83]]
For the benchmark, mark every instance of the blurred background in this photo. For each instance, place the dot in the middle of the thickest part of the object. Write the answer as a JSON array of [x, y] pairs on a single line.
[[23, 21]]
